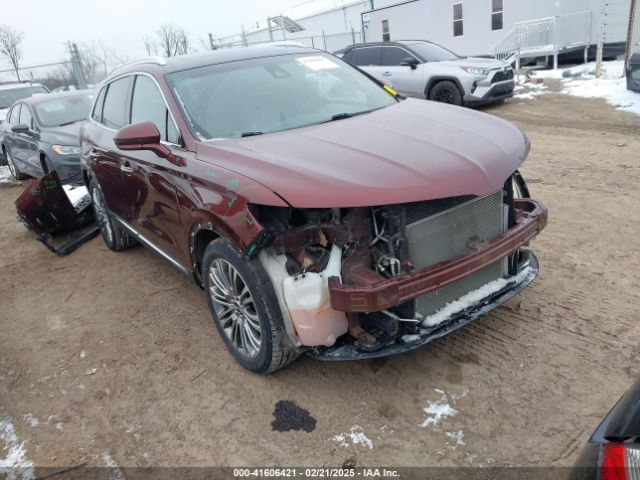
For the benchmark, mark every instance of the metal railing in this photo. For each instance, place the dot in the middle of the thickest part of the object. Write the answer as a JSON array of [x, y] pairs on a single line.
[[545, 36], [329, 42]]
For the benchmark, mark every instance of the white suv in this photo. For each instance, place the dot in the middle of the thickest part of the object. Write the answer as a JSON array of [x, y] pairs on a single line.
[[422, 69]]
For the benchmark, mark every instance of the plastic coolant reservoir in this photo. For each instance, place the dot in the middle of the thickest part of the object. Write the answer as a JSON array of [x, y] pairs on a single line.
[[307, 297]]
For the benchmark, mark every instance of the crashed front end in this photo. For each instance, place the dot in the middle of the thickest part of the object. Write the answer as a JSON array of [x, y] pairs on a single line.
[[369, 282]]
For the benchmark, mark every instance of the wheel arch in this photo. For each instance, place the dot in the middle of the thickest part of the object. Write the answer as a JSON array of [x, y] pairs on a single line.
[[433, 81]]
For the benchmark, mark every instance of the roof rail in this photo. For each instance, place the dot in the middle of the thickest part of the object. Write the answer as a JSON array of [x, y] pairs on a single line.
[[142, 61]]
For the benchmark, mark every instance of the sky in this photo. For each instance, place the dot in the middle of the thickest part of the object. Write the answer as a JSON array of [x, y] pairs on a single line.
[[121, 24]]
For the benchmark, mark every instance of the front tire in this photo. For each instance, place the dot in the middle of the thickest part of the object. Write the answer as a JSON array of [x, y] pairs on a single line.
[[446, 92], [15, 173], [114, 235], [245, 309]]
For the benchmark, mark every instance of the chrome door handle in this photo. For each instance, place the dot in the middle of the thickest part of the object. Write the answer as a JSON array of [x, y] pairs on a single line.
[[126, 169], [386, 74]]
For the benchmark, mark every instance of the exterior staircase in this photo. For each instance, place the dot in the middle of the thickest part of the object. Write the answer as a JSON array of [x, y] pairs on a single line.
[[545, 37]]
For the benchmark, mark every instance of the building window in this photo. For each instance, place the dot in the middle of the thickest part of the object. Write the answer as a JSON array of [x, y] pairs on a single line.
[[458, 29], [386, 36], [497, 8]]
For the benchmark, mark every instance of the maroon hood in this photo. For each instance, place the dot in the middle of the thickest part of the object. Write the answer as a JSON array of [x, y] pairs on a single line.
[[415, 150]]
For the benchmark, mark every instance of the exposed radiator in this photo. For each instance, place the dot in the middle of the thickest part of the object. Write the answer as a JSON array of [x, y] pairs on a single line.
[[452, 233]]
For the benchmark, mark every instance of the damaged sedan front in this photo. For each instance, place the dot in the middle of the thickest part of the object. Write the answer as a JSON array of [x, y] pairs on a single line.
[[321, 212]]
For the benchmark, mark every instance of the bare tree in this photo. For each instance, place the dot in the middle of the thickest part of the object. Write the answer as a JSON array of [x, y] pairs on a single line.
[[150, 46], [173, 40], [10, 41]]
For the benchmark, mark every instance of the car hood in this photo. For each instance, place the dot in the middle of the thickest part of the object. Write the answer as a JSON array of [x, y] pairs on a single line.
[[412, 151], [66, 135]]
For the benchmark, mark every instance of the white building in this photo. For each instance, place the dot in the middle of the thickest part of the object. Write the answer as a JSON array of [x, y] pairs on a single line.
[[487, 27], [468, 27]]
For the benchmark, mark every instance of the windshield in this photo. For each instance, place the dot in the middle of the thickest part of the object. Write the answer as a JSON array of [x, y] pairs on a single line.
[[257, 96], [11, 95], [64, 111], [430, 52]]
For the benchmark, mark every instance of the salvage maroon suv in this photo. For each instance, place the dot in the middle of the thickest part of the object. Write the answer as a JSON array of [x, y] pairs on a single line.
[[321, 212]]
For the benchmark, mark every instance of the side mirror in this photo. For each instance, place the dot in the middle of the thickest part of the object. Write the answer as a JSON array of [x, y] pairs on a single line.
[[141, 136], [409, 62], [21, 128]]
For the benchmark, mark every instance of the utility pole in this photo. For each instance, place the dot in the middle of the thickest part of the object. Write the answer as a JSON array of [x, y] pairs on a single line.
[[76, 65], [211, 44]]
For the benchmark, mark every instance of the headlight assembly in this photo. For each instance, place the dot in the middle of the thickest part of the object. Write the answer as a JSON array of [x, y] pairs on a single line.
[[66, 149]]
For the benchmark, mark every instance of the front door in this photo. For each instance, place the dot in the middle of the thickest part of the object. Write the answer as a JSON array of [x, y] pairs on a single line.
[[150, 181], [406, 80]]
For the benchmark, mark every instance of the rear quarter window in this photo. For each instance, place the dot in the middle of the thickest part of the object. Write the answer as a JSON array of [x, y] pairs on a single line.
[[366, 56], [97, 108], [114, 112]]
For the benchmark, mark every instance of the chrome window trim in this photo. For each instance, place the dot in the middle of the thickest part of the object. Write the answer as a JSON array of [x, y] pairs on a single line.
[[129, 74]]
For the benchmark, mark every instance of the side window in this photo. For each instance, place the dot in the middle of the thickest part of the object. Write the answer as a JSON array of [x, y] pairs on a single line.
[[15, 115], [367, 56], [114, 113], [392, 56], [386, 35], [458, 28], [148, 105], [25, 116], [348, 57], [497, 11], [97, 109]]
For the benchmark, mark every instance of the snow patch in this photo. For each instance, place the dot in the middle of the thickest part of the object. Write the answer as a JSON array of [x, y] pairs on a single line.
[[31, 420], [356, 436], [458, 437], [75, 194], [580, 81], [472, 298], [13, 456], [5, 175], [109, 462], [83, 354], [438, 410]]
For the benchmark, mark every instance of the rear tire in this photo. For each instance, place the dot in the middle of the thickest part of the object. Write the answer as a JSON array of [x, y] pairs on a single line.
[[15, 173], [115, 237], [245, 309], [446, 91]]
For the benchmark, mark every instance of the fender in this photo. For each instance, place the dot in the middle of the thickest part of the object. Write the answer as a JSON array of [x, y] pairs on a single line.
[[434, 80]]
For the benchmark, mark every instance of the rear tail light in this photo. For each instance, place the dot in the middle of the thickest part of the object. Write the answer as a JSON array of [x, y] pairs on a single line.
[[620, 461]]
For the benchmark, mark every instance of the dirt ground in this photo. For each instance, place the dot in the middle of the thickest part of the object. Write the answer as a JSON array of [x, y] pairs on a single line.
[[112, 358]]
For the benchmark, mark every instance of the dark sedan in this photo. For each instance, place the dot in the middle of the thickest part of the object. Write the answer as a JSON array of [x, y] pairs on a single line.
[[40, 134], [613, 451]]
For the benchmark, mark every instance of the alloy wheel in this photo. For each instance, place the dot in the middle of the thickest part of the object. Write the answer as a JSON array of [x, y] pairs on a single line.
[[235, 307], [101, 215]]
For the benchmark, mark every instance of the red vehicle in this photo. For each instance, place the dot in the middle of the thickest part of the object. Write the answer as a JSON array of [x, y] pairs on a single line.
[[321, 212]]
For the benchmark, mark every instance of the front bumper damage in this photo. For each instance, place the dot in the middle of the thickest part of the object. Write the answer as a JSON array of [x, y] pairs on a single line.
[[347, 350], [531, 218]]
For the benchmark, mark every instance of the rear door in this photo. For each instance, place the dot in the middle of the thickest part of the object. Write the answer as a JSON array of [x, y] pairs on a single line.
[[368, 59], [404, 79], [28, 143], [150, 181], [12, 119], [109, 115]]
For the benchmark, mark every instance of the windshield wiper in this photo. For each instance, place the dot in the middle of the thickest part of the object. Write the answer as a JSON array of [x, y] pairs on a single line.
[[71, 122], [251, 134], [342, 116]]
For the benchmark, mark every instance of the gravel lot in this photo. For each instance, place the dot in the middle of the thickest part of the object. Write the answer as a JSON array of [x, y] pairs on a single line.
[[111, 358]]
